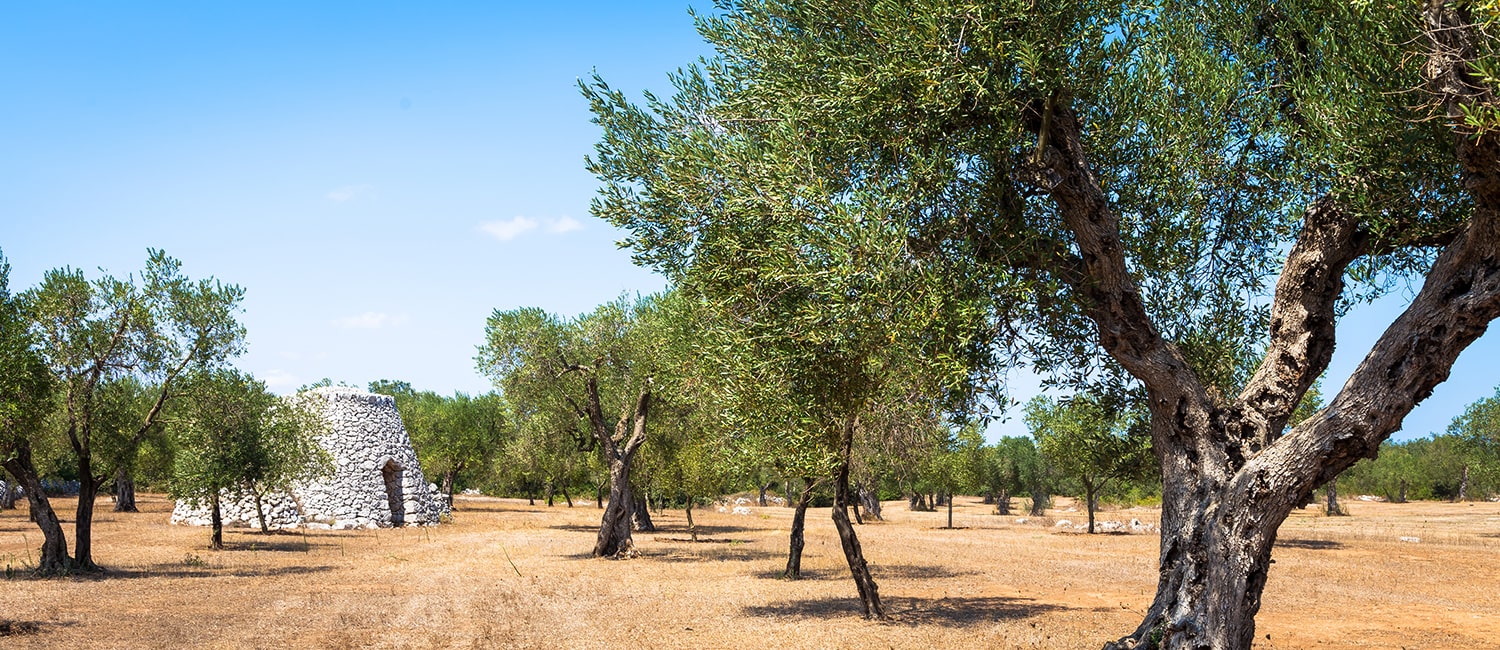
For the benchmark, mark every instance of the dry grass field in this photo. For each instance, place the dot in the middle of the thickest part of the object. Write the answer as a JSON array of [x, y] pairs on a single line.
[[506, 574]]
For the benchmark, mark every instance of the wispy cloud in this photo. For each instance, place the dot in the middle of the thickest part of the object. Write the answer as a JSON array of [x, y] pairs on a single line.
[[512, 228], [565, 224], [348, 192], [508, 230], [370, 320]]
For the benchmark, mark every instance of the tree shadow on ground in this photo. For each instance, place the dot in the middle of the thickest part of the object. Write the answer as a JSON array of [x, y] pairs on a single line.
[[944, 612], [807, 574], [185, 571], [1310, 544], [710, 553], [917, 571], [25, 628]]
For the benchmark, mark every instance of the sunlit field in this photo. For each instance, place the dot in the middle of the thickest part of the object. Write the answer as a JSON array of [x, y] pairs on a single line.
[[506, 574]]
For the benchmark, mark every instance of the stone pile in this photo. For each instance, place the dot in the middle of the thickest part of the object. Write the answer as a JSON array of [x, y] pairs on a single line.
[[375, 482]]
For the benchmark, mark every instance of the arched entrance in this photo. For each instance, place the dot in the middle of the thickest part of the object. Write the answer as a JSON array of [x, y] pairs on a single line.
[[390, 470]]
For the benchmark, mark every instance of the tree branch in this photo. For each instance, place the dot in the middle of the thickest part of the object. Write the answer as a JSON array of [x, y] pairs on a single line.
[[1113, 301], [1302, 321]]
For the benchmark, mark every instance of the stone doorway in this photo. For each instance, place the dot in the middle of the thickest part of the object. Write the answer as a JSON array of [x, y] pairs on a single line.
[[391, 472]]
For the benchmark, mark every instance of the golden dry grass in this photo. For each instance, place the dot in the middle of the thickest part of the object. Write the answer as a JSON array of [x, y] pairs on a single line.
[[1337, 583]]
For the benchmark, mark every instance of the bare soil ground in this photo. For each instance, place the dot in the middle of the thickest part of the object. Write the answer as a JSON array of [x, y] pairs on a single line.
[[506, 574]]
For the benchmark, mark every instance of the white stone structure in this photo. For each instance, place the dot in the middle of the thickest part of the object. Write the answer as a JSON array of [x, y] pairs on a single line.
[[376, 481]]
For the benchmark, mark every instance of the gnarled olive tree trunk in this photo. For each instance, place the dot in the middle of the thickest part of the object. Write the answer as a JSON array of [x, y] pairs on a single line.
[[124, 491], [54, 557], [619, 451]]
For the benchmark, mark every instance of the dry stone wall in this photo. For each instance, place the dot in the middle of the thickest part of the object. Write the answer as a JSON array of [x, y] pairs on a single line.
[[375, 482]]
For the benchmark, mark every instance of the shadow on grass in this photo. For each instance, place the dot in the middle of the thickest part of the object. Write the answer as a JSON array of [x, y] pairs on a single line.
[[916, 571], [945, 612], [703, 531], [711, 553], [1310, 544], [24, 628], [807, 574], [181, 571]]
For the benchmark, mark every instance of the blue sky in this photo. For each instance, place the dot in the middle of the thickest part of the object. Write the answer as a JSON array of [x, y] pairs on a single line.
[[378, 176]]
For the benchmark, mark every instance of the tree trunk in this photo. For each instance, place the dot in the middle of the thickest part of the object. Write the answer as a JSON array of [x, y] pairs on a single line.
[[1088, 498], [871, 499], [124, 491], [217, 519], [550, 488], [1039, 499], [1401, 495], [54, 558], [567, 497], [989, 499], [854, 503], [950, 511], [1463, 485], [642, 516], [1002, 502], [83, 524], [1332, 507], [599, 496], [763, 489], [260, 511], [447, 486], [692, 528], [869, 594], [614, 530], [799, 523], [7, 496]]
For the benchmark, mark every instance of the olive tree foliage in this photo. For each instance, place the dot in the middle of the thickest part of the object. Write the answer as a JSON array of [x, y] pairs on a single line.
[[602, 368], [27, 390], [234, 438], [94, 335], [1183, 185], [1091, 441], [1477, 434]]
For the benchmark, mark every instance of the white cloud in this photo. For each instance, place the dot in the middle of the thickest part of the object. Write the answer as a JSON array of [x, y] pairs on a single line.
[[513, 228], [348, 192], [508, 230], [370, 320], [565, 224]]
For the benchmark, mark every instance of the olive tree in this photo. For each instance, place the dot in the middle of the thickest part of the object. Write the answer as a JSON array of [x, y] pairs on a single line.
[[1090, 441], [236, 437], [95, 334], [1182, 185]]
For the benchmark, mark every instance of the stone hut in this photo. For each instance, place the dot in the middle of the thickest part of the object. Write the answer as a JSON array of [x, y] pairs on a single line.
[[375, 482]]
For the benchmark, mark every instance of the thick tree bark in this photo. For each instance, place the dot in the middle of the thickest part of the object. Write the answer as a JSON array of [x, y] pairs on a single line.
[[1002, 503], [83, 525], [614, 530], [54, 559], [763, 489], [799, 523], [869, 594], [566, 497], [1463, 485], [124, 491], [642, 516], [619, 450]]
